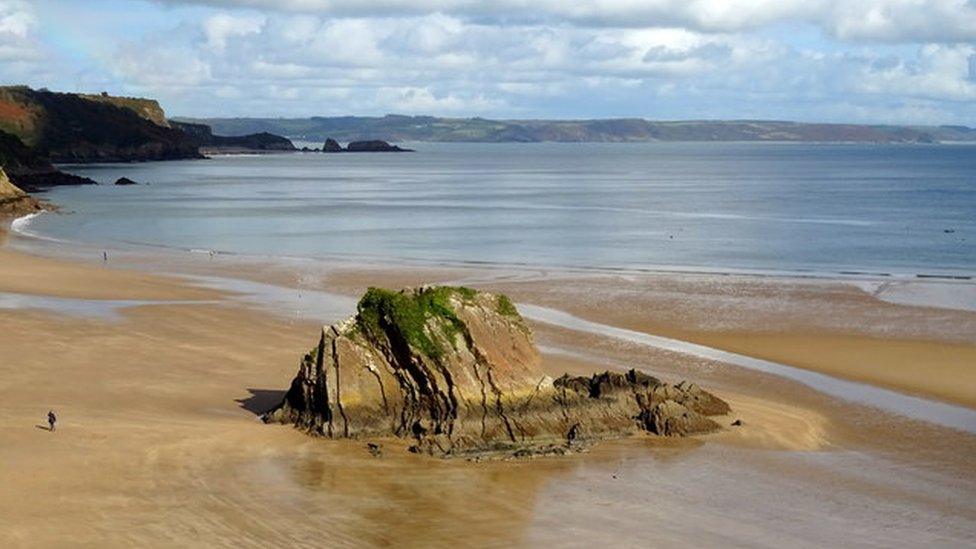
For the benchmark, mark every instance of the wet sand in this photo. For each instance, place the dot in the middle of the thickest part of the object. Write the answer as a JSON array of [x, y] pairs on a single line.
[[159, 443]]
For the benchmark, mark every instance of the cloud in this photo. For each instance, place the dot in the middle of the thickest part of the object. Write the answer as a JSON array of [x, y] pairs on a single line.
[[294, 64], [14, 19], [222, 26], [938, 72], [17, 25], [423, 100], [867, 61], [941, 21]]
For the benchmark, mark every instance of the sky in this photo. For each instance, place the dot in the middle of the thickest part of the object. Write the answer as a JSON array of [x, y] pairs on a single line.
[[861, 61]]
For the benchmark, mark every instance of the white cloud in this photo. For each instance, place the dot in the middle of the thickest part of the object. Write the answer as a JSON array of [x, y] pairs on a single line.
[[222, 26], [15, 20], [162, 68], [17, 25], [423, 100], [938, 72]]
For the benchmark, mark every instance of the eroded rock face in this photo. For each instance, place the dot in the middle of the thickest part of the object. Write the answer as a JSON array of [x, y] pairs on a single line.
[[457, 371]]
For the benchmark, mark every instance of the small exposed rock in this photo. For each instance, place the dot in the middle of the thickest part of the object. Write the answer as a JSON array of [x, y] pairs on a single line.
[[737, 423], [331, 146], [606, 383], [573, 433], [375, 449], [670, 419], [125, 181]]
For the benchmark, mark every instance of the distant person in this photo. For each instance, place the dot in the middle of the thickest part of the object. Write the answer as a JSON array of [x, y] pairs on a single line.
[[51, 419], [105, 257]]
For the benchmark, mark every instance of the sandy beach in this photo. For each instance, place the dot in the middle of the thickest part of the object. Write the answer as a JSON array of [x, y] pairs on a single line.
[[159, 443]]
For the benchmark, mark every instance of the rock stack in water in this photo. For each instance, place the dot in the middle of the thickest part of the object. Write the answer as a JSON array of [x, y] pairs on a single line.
[[375, 145], [331, 146], [456, 371]]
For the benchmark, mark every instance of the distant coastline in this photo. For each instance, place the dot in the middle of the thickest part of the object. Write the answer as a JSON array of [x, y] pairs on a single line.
[[399, 128]]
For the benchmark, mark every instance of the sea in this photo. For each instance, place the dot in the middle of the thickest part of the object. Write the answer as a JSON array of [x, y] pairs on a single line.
[[888, 210]]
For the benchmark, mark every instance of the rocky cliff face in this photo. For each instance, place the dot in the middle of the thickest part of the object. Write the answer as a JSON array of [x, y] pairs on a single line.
[[65, 127], [14, 201], [457, 372]]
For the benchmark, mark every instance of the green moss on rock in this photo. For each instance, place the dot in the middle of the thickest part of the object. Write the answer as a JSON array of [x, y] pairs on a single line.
[[408, 314], [507, 308]]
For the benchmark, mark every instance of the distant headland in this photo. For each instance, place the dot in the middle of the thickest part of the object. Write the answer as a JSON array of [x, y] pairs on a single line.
[[41, 128]]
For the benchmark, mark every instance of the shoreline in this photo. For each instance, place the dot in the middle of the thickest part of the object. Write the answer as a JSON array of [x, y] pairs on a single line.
[[19, 226]]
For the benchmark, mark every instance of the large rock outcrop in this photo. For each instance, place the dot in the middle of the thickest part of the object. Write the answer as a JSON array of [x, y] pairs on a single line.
[[457, 372]]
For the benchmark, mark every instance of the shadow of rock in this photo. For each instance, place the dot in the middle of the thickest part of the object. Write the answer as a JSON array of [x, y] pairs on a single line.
[[261, 400]]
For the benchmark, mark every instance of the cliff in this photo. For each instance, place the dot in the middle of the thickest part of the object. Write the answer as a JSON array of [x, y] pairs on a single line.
[[65, 127], [456, 371]]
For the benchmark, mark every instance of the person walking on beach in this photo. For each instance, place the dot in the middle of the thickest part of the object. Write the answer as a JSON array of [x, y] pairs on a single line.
[[51, 419], [105, 257]]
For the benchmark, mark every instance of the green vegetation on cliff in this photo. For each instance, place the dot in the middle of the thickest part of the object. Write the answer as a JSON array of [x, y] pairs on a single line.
[[145, 108]]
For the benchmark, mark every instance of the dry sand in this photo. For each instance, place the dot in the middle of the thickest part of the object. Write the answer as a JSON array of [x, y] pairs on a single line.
[[159, 445]]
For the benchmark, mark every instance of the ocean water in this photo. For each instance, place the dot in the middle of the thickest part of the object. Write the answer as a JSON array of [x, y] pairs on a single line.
[[898, 209]]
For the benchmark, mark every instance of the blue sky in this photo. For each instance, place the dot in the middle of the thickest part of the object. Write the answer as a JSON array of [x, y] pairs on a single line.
[[874, 61]]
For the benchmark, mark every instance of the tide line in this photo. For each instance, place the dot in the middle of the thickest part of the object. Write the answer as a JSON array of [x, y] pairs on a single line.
[[940, 413]]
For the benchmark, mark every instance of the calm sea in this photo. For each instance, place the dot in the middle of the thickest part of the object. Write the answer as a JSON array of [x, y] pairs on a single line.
[[769, 207]]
